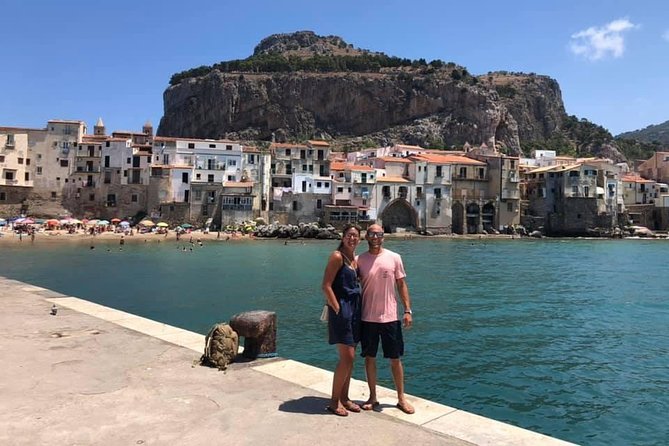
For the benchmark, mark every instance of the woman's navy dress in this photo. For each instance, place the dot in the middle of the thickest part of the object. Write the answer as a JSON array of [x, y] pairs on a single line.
[[344, 328]]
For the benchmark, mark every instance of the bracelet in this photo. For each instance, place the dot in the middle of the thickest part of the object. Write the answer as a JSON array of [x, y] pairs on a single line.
[[408, 312]]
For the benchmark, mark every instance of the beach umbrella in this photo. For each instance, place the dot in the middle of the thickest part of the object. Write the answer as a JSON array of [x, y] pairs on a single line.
[[52, 222], [102, 223], [3, 222], [162, 224], [148, 223], [93, 222], [124, 224], [26, 221], [115, 220], [186, 225], [85, 221], [39, 221], [74, 221]]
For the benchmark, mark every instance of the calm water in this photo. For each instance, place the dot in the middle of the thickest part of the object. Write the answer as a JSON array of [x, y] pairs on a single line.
[[568, 338]]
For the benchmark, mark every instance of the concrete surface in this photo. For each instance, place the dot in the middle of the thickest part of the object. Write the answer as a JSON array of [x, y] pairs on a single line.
[[95, 375]]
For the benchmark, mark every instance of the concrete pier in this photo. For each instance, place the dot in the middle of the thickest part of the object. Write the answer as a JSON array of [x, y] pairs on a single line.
[[95, 375]]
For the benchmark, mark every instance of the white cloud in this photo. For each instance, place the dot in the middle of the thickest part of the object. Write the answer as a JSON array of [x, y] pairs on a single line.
[[596, 43], [665, 36]]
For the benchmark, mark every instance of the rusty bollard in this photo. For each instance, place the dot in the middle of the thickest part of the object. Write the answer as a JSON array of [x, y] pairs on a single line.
[[259, 331]]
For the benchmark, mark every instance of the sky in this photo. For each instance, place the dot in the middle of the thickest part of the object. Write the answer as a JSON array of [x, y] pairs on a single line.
[[75, 59]]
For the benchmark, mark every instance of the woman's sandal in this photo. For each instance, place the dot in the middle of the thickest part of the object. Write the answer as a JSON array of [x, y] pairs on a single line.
[[371, 405], [339, 411], [352, 407]]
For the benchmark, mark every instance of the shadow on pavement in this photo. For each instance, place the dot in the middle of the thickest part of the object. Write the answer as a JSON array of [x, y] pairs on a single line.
[[311, 405]]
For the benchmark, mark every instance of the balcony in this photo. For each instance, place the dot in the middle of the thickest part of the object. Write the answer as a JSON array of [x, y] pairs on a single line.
[[88, 169], [510, 194], [10, 182], [9, 145], [88, 184]]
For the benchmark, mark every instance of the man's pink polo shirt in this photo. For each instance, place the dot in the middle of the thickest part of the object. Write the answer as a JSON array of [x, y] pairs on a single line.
[[378, 274]]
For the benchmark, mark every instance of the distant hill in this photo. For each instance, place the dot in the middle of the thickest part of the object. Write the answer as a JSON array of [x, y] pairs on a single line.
[[652, 134]]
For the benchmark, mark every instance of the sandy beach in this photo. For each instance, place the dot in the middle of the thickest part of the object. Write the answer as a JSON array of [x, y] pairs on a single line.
[[62, 236]]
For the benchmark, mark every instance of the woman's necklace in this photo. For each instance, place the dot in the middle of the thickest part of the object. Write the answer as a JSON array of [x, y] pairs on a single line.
[[349, 261]]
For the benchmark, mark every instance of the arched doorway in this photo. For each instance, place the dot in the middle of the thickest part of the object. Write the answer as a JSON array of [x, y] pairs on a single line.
[[473, 218], [458, 218], [399, 214], [488, 217]]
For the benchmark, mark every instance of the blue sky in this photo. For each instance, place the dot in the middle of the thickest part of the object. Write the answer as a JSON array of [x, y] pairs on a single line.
[[73, 59]]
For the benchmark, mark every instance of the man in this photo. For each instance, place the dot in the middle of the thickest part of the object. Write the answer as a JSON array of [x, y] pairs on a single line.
[[382, 273]]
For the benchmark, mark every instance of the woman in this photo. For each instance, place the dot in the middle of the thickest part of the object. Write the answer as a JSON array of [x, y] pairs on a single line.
[[342, 294]]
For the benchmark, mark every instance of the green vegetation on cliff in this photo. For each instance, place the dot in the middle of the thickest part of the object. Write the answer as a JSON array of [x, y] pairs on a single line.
[[327, 63]]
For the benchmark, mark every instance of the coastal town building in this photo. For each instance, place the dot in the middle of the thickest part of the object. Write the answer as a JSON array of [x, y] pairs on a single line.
[[16, 175]]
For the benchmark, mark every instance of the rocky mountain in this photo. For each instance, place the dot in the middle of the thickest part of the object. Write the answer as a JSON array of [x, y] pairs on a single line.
[[299, 86]]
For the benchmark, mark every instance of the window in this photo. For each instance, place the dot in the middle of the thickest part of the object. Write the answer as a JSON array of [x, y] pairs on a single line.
[[3, 196], [319, 184], [39, 170], [232, 162], [91, 197], [228, 147], [287, 152], [419, 191], [191, 145], [184, 177], [385, 191], [210, 178], [463, 172], [39, 156], [198, 176], [27, 176], [481, 173], [586, 191], [574, 190], [134, 198], [437, 193], [340, 190], [9, 175], [319, 204], [509, 206], [19, 160], [294, 205], [304, 167], [27, 161], [64, 163], [212, 146], [231, 178], [513, 164], [197, 195], [574, 173], [2, 158], [53, 195], [439, 172]]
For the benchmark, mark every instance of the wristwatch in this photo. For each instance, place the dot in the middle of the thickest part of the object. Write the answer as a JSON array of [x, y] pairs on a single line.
[[408, 311]]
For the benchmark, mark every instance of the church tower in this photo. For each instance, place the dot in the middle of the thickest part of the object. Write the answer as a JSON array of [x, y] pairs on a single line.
[[99, 128], [148, 128]]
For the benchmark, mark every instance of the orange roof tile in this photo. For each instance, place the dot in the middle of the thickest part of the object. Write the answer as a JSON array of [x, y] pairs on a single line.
[[447, 159], [319, 143], [337, 165], [393, 159], [359, 168], [250, 149], [392, 180], [247, 184], [635, 179]]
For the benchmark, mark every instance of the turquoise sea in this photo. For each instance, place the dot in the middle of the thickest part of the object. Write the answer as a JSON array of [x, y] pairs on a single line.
[[566, 337]]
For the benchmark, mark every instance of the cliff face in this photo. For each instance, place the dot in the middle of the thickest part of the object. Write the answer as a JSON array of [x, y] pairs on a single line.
[[434, 106], [302, 105]]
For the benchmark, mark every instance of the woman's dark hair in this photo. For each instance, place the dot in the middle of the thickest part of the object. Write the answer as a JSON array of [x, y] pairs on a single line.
[[346, 228]]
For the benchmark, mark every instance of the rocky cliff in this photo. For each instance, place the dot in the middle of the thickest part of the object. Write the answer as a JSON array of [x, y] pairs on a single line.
[[299, 86]]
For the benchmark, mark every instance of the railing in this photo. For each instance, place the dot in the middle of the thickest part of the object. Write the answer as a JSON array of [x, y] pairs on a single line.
[[237, 207], [88, 184], [135, 181], [510, 194], [9, 144], [88, 169], [10, 182]]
